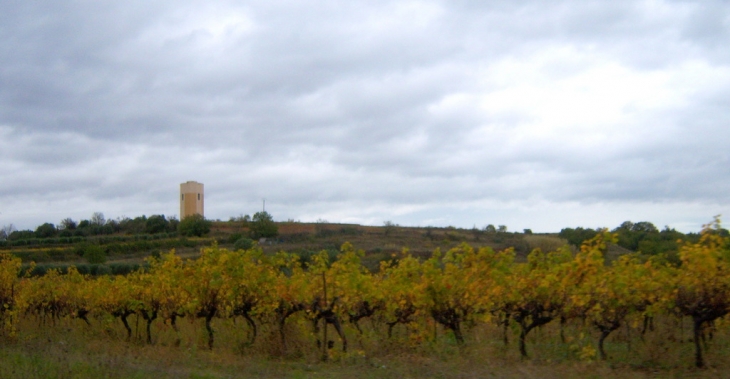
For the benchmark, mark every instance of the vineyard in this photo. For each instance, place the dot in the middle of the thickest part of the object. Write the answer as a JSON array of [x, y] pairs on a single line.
[[249, 300]]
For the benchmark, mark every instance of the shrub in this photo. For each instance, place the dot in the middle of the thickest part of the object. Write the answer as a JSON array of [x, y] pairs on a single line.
[[194, 226], [263, 226], [94, 254], [234, 237], [243, 243], [156, 224]]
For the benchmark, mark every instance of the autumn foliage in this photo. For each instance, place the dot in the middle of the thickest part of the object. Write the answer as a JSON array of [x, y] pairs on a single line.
[[455, 290]]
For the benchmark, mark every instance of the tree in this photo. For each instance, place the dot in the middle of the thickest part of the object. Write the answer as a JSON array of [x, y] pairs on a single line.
[[243, 243], [263, 226], [46, 230], [67, 224], [502, 229], [577, 236], [17, 235], [631, 235], [194, 225], [645, 226], [156, 224], [6, 231], [172, 223], [241, 218], [703, 282], [98, 219], [389, 227], [133, 226], [626, 225], [490, 229]]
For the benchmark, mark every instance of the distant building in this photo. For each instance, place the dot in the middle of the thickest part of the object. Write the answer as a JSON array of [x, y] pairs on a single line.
[[191, 199]]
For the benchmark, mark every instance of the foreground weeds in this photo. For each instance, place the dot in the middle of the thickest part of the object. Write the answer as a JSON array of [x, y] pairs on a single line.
[[72, 350]]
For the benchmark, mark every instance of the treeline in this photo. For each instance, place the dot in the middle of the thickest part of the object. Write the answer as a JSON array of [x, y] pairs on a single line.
[[68, 231], [642, 237], [96, 226], [101, 231]]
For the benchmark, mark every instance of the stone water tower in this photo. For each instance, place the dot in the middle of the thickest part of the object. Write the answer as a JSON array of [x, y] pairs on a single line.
[[191, 199]]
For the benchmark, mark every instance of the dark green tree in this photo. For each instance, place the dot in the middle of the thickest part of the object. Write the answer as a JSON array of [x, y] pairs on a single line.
[[194, 225], [133, 226], [576, 236], [631, 235], [262, 225], [21, 235], [67, 224], [243, 243], [156, 224], [46, 230]]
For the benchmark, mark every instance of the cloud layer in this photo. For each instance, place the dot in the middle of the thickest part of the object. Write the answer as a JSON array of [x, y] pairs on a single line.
[[524, 113]]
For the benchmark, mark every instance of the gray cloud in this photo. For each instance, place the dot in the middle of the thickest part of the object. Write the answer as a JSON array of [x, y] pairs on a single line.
[[421, 112]]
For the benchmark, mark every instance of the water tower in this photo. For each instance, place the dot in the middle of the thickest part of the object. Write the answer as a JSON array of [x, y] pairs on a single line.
[[191, 199]]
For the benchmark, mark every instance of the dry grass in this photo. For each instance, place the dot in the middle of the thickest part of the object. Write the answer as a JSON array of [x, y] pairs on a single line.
[[544, 242], [71, 350]]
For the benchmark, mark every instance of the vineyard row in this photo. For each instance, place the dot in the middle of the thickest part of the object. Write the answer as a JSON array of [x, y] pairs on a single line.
[[456, 289]]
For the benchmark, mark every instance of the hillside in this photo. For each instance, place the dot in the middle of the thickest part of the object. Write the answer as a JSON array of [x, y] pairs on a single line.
[[125, 252], [380, 242]]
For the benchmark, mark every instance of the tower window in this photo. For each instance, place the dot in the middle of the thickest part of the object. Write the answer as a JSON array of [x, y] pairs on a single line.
[[182, 197], [198, 196]]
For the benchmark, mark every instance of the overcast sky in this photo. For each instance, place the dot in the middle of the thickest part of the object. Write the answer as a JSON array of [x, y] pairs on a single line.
[[529, 114]]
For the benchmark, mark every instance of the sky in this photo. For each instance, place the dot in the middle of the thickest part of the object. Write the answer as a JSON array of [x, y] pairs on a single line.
[[528, 114]]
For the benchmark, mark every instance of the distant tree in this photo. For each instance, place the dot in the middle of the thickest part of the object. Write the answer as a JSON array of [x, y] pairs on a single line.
[[194, 225], [17, 235], [626, 225], [476, 232], [645, 227], [240, 218], [633, 236], [98, 219], [243, 243], [113, 226], [67, 224], [172, 224], [527, 231], [576, 236], [83, 229], [502, 229], [156, 224], [262, 225], [389, 227], [6, 231], [46, 230], [133, 226], [490, 229]]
